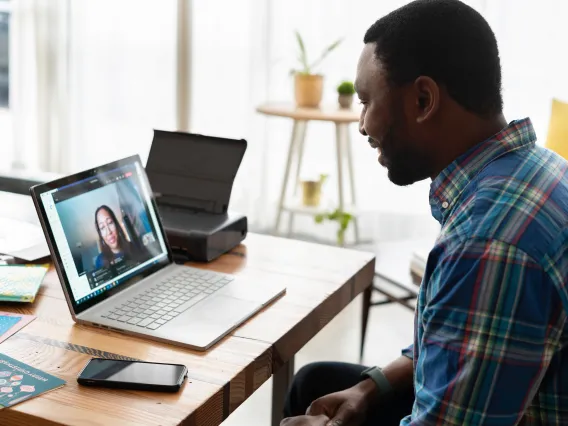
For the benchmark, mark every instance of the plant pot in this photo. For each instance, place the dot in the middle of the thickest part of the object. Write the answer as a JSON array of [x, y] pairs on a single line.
[[345, 101], [308, 90], [311, 193]]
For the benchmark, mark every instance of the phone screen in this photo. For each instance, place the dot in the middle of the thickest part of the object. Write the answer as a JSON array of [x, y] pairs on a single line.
[[142, 373]]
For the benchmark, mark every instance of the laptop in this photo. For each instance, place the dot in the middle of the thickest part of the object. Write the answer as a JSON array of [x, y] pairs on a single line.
[[116, 268]]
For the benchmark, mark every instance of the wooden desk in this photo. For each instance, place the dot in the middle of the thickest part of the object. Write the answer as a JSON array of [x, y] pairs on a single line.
[[341, 118], [320, 280]]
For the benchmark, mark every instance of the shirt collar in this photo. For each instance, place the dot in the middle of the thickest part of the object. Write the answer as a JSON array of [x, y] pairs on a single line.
[[446, 189]]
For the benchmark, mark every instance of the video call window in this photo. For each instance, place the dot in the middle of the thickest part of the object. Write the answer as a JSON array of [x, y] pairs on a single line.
[[107, 227]]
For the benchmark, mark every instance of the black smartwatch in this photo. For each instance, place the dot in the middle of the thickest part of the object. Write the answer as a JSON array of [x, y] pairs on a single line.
[[377, 376]]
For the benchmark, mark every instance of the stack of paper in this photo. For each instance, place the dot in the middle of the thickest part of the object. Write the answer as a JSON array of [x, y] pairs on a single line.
[[22, 240]]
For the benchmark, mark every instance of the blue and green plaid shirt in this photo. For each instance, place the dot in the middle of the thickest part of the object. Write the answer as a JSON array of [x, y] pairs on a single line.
[[491, 337]]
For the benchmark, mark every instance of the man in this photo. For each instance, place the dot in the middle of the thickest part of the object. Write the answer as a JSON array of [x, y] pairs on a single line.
[[491, 336]]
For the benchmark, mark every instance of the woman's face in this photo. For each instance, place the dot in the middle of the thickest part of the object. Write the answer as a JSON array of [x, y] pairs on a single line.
[[107, 228]]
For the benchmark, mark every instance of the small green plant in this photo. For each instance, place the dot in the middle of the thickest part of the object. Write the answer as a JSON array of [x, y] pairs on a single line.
[[342, 218], [307, 67], [346, 88]]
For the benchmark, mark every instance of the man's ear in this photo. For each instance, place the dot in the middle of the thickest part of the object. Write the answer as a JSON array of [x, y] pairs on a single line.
[[427, 94]]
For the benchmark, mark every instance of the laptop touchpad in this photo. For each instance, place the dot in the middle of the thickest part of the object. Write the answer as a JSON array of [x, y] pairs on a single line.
[[219, 309], [211, 318]]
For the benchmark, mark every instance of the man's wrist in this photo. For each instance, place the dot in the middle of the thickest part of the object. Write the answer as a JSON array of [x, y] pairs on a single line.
[[377, 376], [370, 390]]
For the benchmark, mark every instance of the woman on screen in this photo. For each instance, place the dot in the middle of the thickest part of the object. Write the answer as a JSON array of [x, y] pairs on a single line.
[[112, 240]]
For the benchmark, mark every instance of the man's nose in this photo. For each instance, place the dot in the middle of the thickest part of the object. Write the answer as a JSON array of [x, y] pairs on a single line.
[[362, 128]]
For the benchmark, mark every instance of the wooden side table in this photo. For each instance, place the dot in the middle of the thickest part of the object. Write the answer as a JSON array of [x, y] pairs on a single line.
[[342, 118]]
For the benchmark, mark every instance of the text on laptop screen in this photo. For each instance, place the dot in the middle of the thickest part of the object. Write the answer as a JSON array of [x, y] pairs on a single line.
[[105, 229]]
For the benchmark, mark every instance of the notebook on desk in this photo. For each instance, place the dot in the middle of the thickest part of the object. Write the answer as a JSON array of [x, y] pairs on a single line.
[[20, 283]]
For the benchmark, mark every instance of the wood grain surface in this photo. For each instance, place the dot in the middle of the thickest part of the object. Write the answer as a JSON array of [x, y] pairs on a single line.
[[320, 281]]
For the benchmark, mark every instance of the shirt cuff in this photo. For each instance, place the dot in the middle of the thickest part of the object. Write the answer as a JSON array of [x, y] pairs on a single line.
[[408, 352]]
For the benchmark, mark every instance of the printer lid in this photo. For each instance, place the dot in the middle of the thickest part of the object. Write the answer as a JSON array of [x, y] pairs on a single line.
[[194, 171]]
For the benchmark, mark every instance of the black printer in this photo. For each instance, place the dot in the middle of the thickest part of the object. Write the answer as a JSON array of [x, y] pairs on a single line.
[[192, 178]]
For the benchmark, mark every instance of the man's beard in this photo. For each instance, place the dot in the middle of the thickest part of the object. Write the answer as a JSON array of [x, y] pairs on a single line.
[[404, 166]]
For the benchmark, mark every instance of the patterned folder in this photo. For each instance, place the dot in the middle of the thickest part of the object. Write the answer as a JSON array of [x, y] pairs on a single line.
[[20, 283]]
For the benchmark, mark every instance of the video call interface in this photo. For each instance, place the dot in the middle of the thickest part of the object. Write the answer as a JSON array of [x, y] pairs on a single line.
[[108, 228]]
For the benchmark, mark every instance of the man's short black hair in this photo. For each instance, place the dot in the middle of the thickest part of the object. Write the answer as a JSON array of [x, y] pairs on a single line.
[[448, 41]]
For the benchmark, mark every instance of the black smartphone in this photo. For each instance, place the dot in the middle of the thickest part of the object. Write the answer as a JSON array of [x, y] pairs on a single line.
[[136, 375]]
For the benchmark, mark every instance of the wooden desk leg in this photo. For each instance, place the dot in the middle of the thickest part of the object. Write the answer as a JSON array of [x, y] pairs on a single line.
[[351, 172], [300, 155], [339, 147], [281, 382], [291, 150], [365, 318]]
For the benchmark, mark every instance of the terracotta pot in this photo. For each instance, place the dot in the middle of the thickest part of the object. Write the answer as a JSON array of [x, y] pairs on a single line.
[[345, 101], [311, 193], [308, 90]]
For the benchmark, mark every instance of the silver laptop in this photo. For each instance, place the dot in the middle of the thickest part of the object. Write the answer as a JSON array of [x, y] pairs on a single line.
[[116, 267]]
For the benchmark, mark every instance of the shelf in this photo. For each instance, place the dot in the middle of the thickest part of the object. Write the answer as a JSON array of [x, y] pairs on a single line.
[[298, 208]]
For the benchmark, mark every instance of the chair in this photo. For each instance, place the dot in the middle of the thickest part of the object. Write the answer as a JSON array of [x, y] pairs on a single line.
[[557, 138], [392, 271]]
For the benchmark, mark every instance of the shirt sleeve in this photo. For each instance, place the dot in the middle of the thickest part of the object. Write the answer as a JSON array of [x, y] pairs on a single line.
[[491, 324], [408, 352]]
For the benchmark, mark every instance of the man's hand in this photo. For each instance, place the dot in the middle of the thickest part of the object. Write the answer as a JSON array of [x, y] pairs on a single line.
[[346, 408], [306, 421]]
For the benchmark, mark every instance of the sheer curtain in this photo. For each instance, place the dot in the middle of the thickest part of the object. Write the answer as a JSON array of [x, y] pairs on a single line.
[[38, 81], [90, 80], [122, 77]]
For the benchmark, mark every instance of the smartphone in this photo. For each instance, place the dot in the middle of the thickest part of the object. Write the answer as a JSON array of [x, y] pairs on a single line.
[[135, 375]]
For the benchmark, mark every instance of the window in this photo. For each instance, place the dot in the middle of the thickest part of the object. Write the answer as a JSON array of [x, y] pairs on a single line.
[[6, 145], [4, 53]]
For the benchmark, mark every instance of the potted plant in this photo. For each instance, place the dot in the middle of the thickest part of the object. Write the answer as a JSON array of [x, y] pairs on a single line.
[[308, 86], [342, 218], [311, 191], [345, 90]]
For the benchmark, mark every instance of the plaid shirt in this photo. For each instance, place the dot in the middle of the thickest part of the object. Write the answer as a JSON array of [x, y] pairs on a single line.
[[491, 337]]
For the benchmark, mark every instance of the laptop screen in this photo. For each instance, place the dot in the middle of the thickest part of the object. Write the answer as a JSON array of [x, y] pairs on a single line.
[[105, 229]]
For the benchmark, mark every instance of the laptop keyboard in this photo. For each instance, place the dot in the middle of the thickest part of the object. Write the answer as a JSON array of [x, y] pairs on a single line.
[[168, 299]]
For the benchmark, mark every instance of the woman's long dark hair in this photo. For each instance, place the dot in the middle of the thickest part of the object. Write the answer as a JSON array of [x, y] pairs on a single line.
[[123, 243]]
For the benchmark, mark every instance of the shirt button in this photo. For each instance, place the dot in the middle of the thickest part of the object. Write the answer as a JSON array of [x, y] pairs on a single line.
[[445, 205]]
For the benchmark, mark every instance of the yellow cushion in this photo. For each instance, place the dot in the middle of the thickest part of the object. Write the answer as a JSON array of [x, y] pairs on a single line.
[[557, 139]]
